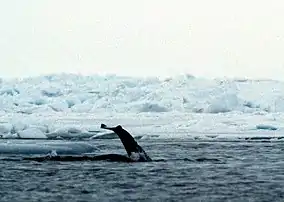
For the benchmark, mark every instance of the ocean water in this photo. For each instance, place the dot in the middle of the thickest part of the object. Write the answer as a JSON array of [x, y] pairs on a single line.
[[211, 140], [182, 170]]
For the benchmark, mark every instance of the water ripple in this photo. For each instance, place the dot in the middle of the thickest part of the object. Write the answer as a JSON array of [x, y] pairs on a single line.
[[181, 171]]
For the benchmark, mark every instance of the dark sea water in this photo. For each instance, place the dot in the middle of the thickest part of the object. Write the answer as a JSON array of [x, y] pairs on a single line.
[[181, 171]]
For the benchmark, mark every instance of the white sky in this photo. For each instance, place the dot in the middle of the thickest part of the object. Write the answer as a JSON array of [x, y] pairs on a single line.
[[240, 38]]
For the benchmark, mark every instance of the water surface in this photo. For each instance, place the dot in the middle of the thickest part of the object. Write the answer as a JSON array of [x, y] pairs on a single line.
[[181, 171]]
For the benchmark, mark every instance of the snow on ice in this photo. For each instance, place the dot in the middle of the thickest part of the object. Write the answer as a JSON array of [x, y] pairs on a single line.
[[73, 106]]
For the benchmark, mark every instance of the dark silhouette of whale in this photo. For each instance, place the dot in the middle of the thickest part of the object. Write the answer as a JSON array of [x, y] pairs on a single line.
[[133, 149], [135, 153]]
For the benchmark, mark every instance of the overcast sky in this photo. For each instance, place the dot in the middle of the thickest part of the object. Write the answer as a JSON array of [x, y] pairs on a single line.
[[233, 38]]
